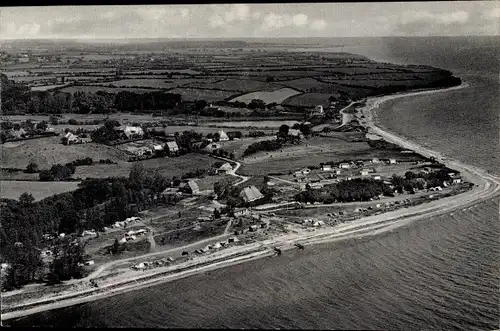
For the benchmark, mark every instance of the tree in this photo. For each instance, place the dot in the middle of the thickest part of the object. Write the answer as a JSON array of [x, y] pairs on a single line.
[[42, 126], [116, 247], [283, 130], [32, 168], [26, 199], [216, 214], [269, 79]]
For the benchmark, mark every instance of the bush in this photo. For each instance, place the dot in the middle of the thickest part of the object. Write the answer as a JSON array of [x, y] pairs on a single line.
[[266, 145], [72, 121], [32, 168]]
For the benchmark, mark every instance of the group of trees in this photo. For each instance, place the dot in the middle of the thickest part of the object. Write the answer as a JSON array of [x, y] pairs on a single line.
[[95, 204], [31, 129], [265, 145], [413, 181], [358, 189], [57, 172]]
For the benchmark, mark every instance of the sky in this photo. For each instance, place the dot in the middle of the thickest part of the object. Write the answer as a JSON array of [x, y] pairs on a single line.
[[443, 18]]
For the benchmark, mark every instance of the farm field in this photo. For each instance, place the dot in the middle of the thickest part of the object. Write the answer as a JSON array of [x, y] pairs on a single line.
[[255, 124], [192, 94], [277, 96], [156, 82], [311, 152], [39, 190], [169, 167], [49, 151], [238, 85], [95, 89], [46, 87], [308, 100]]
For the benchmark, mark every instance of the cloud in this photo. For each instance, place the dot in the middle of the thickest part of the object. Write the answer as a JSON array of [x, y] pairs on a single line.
[[299, 19], [427, 23], [495, 13], [273, 21], [318, 25]]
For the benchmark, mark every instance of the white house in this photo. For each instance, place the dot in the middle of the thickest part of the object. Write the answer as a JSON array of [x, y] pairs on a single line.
[[222, 135], [326, 167], [172, 146], [70, 138], [130, 131], [305, 171], [344, 165], [225, 168], [376, 177], [364, 172], [295, 133], [318, 110], [375, 160], [392, 161]]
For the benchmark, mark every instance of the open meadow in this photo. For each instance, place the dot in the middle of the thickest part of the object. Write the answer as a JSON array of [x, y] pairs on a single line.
[[46, 152], [39, 190], [167, 166], [268, 97]]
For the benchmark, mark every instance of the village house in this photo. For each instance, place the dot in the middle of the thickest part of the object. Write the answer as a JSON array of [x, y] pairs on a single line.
[[375, 160], [70, 138], [18, 133], [172, 147], [212, 147], [251, 193], [222, 135], [241, 212], [130, 132], [190, 187], [326, 167], [364, 172], [376, 177], [225, 168], [295, 133], [157, 148], [344, 165], [392, 161]]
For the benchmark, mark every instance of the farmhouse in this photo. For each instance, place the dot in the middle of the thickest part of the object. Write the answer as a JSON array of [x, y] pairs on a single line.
[[364, 172], [392, 161], [225, 168], [70, 138], [130, 131], [251, 193], [375, 160], [222, 135], [172, 147], [376, 177], [295, 133], [318, 110], [157, 148], [344, 165]]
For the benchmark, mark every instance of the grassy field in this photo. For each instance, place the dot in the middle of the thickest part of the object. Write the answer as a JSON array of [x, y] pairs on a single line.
[[46, 87], [308, 100], [238, 85], [49, 151], [268, 97], [95, 89], [156, 82], [311, 152], [169, 167], [192, 94], [39, 190]]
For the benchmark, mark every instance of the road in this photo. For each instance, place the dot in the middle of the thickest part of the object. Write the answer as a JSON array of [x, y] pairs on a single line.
[[346, 118], [232, 172]]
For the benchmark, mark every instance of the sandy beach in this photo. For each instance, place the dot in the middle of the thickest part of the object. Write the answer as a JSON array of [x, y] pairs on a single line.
[[486, 187]]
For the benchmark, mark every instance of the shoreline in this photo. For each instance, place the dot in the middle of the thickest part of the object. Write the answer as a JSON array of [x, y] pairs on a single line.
[[486, 187]]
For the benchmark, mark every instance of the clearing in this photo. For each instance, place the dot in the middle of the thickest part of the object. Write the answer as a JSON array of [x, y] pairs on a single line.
[[49, 151], [39, 190]]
